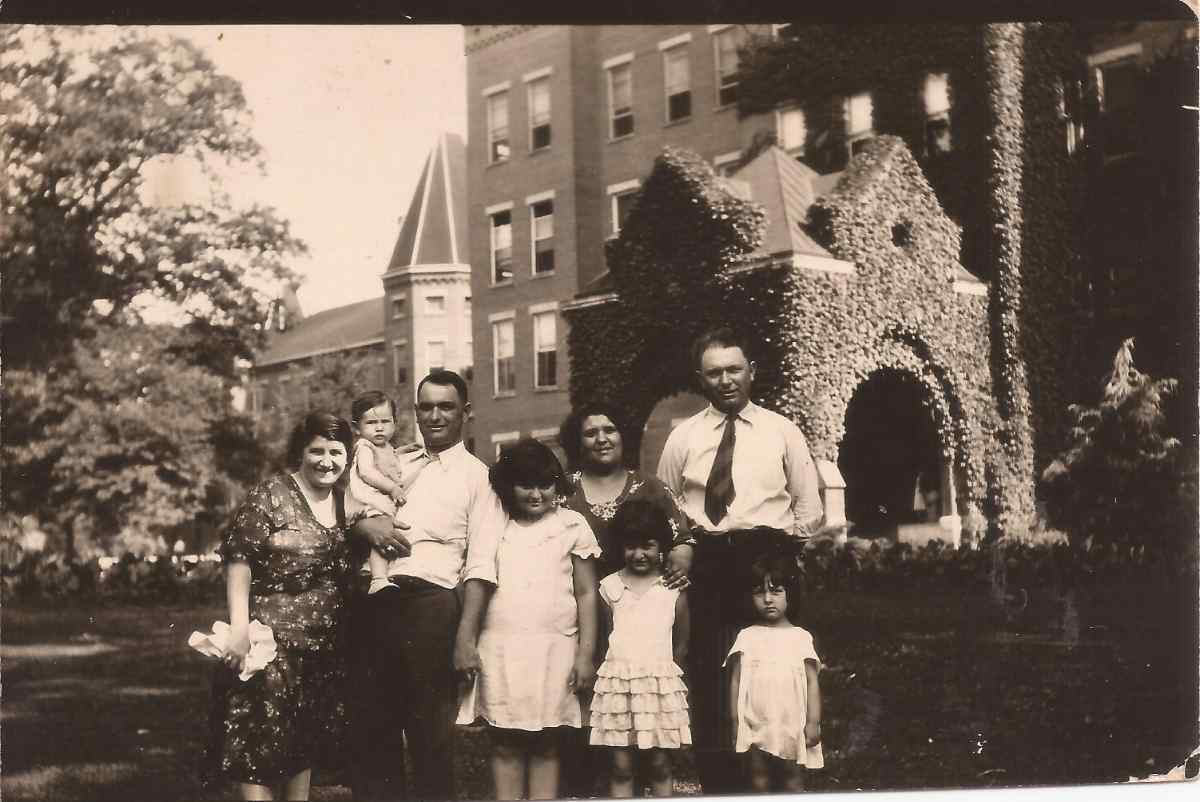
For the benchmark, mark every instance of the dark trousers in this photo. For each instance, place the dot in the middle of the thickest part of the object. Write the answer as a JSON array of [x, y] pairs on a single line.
[[720, 606], [403, 690]]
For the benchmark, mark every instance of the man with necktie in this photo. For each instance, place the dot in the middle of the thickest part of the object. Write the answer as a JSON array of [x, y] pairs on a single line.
[[745, 477], [415, 631]]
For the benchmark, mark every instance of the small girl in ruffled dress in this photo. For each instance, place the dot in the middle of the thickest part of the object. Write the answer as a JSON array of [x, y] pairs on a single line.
[[640, 708], [537, 642], [774, 696]]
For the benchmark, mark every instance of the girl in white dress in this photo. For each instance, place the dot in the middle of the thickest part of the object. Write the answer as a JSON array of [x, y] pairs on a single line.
[[640, 703], [774, 696], [539, 632]]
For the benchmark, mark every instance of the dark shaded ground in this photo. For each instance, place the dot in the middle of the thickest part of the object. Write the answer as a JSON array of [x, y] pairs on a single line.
[[109, 703]]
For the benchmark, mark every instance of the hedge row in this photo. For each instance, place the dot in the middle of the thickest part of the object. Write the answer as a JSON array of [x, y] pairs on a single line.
[[42, 578]]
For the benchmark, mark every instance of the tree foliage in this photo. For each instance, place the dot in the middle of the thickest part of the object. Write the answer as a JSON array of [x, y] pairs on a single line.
[[123, 445], [1124, 480], [116, 425], [84, 114]]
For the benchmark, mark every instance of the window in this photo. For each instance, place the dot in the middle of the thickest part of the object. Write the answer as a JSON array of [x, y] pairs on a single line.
[[860, 123], [937, 113], [502, 357], [400, 362], [678, 82], [497, 122], [620, 100], [502, 246], [435, 304], [726, 163], [1117, 78], [791, 131], [435, 354], [399, 303], [621, 205], [539, 113], [545, 349], [541, 219], [725, 44]]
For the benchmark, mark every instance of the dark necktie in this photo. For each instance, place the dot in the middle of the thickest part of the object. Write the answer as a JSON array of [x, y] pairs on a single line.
[[719, 492]]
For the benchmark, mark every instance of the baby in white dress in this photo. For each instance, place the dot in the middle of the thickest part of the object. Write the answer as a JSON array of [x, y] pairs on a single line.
[[775, 699]]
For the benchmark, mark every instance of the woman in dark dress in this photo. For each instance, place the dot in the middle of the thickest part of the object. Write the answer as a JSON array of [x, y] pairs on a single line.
[[593, 436], [286, 564]]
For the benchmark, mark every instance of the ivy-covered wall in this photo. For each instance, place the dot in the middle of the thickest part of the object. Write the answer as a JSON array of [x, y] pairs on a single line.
[[683, 264]]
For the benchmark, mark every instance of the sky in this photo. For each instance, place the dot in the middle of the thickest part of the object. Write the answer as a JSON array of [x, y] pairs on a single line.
[[346, 116]]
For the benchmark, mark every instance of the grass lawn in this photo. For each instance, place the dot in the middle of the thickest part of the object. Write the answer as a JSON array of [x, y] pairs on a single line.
[[109, 703]]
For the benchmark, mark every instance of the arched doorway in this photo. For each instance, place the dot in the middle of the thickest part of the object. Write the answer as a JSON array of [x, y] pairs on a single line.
[[666, 415], [890, 456]]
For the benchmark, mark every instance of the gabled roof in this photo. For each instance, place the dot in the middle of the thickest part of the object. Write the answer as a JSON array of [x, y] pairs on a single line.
[[334, 329], [785, 188], [434, 230]]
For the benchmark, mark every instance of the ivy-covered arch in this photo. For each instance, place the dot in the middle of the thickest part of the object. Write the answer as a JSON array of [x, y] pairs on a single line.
[[688, 258]]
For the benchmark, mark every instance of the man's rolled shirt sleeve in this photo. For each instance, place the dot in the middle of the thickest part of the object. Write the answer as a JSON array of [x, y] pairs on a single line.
[[486, 520], [803, 483]]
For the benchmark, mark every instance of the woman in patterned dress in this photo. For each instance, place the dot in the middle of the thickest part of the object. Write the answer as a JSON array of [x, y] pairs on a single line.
[[286, 564], [593, 437]]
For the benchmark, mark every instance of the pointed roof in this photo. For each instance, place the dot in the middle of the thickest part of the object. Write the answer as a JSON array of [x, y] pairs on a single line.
[[434, 230], [785, 188]]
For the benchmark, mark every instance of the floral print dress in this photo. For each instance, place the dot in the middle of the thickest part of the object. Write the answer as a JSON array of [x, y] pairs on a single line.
[[291, 715]]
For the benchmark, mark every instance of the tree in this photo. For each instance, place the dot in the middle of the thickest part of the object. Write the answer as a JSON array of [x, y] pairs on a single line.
[[84, 115], [113, 424], [126, 440], [1123, 480]]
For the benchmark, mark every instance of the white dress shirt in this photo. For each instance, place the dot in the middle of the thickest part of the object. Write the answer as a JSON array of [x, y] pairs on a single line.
[[456, 520], [774, 476]]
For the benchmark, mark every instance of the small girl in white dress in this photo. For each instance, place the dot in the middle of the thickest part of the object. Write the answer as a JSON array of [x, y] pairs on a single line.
[[774, 696], [539, 632], [640, 702]]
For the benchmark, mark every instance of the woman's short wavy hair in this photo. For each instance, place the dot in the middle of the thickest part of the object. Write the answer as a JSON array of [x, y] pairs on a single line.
[[570, 434], [319, 424]]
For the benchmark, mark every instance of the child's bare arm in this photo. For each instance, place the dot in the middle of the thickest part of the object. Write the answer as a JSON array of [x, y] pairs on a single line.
[[583, 571], [679, 632], [812, 727], [735, 683]]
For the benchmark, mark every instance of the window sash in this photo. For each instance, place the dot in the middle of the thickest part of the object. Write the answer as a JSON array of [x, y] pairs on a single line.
[[860, 115], [435, 304], [621, 204], [726, 45], [501, 247], [400, 364], [620, 100], [545, 347], [502, 356], [497, 111], [676, 70], [542, 225]]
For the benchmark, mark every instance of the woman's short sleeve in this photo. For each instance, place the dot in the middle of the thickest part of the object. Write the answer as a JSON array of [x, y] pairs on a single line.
[[583, 539], [249, 530]]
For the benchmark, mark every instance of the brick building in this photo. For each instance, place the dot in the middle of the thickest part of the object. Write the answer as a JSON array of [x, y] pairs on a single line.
[[563, 124], [421, 321]]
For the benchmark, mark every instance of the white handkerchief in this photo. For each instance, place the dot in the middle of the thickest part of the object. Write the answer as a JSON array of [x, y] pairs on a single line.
[[215, 644]]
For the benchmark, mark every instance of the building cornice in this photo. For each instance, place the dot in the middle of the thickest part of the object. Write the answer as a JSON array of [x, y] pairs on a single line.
[[446, 272], [500, 33]]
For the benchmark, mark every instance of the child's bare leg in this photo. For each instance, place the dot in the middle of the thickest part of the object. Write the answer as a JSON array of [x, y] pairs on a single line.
[[759, 765], [543, 765], [620, 782], [508, 765], [378, 564], [793, 776], [658, 772]]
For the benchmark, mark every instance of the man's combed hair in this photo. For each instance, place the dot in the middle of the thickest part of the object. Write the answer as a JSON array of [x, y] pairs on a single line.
[[722, 337], [446, 378]]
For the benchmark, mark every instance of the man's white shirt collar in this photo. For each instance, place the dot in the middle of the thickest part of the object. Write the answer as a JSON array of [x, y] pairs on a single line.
[[717, 417]]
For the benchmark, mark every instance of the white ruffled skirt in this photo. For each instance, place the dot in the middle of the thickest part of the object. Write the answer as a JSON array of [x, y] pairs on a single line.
[[640, 704]]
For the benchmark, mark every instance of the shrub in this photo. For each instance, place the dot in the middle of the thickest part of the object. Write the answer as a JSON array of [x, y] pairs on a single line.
[[1123, 480]]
